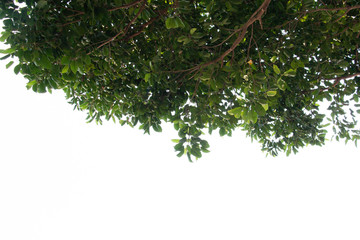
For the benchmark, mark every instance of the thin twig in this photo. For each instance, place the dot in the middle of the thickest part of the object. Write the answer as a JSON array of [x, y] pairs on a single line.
[[126, 5], [122, 33], [332, 9], [143, 26]]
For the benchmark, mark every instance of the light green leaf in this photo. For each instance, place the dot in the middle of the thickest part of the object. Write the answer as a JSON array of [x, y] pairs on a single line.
[[281, 84], [179, 23], [147, 77], [265, 106], [182, 38], [290, 73], [9, 64], [65, 69], [171, 23], [7, 51], [276, 69], [236, 112], [4, 36], [271, 93], [192, 31], [30, 84]]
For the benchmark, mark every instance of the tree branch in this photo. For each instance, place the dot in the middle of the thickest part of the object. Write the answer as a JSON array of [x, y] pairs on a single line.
[[332, 9], [122, 33], [256, 16], [338, 79], [126, 5], [143, 26]]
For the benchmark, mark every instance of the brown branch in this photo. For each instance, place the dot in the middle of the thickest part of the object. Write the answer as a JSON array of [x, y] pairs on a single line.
[[122, 33], [337, 80], [76, 14], [71, 22], [109, 10], [332, 9], [250, 41], [143, 26], [256, 16], [126, 5]]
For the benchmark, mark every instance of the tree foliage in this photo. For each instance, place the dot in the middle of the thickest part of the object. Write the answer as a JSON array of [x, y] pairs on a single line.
[[264, 66]]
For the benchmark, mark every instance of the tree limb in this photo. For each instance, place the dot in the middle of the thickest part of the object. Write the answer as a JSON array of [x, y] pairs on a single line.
[[338, 79], [256, 16]]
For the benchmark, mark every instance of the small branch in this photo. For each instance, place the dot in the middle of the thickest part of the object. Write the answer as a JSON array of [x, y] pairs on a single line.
[[250, 41], [71, 22], [256, 16], [338, 79], [196, 88], [143, 26], [126, 5], [332, 9], [122, 33]]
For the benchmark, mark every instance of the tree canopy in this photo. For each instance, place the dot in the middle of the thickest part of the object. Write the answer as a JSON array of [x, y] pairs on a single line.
[[271, 68]]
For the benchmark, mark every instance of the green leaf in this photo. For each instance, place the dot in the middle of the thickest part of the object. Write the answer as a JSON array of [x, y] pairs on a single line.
[[281, 84], [182, 38], [265, 106], [147, 77], [41, 3], [189, 156], [260, 110], [4, 36], [222, 131], [65, 69], [196, 152], [30, 84], [45, 62], [236, 112], [271, 93], [9, 64], [157, 128], [7, 51], [192, 31], [73, 67], [171, 23], [276, 69], [17, 69], [290, 73], [180, 153], [253, 116], [84, 105], [179, 23], [65, 60], [175, 140]]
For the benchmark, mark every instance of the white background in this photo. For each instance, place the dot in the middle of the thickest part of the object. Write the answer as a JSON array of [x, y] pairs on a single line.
[[61, 178]]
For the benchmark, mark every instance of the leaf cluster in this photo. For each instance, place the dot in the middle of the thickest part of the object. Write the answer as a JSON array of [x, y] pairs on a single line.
[[263, 66]]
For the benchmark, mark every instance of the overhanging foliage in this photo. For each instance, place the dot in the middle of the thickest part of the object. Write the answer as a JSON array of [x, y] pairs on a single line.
[[264, 66]]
